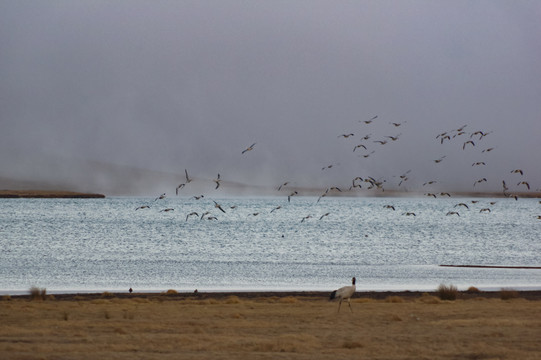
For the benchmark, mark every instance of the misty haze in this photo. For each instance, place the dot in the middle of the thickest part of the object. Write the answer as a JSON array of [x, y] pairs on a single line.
[[121, 97]]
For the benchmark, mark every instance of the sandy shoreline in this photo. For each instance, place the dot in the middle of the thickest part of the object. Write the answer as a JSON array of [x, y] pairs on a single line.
[[271, 325]]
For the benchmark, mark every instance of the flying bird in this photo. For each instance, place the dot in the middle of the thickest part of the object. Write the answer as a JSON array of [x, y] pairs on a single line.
[[217, 181], [479, 181], [389, 207], [179, 187], [524, 183], [393, 138], [322, 216], [281, 186], [345, 136], [218, 206], [344, 293], [409, 214], [367, 155], [167, 210], [462, 204], [188, 180], [249, 148], [198, 197], [143, 207], [191, 214], [359, 146], [372, 119], [161, 197], [478, 163], [306, 218], [290, 195], [517, 171], [276, 208], [437, 161], [321, 196], [466, 143], [452, 213]]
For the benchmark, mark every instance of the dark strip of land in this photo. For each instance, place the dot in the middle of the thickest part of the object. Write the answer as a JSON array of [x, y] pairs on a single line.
[[494, 266], [48, 194]]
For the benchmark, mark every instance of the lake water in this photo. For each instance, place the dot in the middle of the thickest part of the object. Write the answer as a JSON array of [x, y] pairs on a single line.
[[79, 245]]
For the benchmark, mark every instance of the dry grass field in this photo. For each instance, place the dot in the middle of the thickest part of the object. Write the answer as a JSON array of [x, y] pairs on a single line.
[[276, 327]]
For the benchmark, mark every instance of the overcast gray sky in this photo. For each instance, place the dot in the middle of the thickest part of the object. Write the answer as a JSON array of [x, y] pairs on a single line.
[[169, 85]]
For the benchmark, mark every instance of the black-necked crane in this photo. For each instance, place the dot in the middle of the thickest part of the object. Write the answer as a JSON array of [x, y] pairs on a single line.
[[344, 293]]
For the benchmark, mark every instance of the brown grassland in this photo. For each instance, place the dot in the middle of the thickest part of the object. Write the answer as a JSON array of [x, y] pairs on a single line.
[[160, 326]]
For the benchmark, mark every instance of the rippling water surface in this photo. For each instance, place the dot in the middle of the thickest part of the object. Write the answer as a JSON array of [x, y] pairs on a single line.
[[105, 244]]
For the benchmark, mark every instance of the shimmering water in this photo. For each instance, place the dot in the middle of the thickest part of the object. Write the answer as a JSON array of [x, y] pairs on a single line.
[[105, 244]]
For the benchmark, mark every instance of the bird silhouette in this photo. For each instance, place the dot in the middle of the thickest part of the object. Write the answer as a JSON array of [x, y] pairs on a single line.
[[249, 148], [217, 181], [218, 206], [161, 197], [191, 214], [290, 195], [322, 216], [188, 180]]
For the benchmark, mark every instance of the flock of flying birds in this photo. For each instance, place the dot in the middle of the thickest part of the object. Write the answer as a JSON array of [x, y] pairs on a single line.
[[466, 140]]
